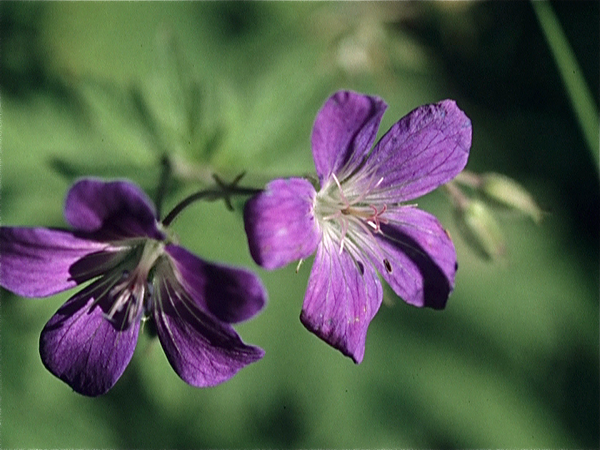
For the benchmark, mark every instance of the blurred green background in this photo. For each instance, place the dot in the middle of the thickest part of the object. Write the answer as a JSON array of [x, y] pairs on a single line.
[[108, 89]]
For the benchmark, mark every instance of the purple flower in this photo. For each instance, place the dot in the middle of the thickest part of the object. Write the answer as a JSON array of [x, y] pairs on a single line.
[[138, 273], [357, 222]]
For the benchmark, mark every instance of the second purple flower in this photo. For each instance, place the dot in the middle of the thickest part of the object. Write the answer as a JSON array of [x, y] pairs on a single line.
[[357, 221], [135, 272]]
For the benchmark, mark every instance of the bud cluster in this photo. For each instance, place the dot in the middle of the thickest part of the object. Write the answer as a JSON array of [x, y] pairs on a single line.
[[475, 196]]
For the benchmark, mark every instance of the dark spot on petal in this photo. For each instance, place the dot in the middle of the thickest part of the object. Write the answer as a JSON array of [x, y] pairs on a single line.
[[387, 265], [434, 272], [361, 267]]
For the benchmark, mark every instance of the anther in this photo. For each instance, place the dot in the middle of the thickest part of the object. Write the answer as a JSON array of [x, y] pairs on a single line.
[[376, 220]]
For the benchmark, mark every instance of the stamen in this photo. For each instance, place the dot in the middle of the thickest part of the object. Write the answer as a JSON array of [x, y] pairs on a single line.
[[375, 220], [355, 217], [129, 293], [117, 306], [344, 223], [366, 240], [344, 199]]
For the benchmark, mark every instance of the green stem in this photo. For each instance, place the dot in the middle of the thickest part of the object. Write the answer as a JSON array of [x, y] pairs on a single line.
[[163, 184], [222, 192], [467, 178], [581, 98], [458, 198]]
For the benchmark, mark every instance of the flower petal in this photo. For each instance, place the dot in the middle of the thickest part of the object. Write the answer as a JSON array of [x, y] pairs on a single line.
[[342, 297], [280, 224], [83, 348], [421, 260], [230, 294], [37, 262], [202, 350], [425, 149], [344, 131], [112, 210]]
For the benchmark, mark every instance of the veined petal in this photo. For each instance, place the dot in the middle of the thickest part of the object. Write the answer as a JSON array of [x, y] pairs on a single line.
[[344, 131], [425, 149], [342, 297], [280, 223], [202, 350], [230, 294], [83, 348], [112, 210], [37, 262], [421, 260]]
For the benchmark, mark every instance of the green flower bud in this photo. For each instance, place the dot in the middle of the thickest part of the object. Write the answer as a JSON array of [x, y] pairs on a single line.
[[480, 229], [508, 193]]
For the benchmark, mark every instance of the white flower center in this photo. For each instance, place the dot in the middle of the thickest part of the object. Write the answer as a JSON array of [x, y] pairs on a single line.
[[348, 218]]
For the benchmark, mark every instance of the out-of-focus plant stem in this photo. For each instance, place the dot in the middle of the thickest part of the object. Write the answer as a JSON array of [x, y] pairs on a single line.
[[572, 76]]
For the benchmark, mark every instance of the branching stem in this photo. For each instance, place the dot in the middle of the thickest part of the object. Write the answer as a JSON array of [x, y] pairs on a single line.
[[222, 191]]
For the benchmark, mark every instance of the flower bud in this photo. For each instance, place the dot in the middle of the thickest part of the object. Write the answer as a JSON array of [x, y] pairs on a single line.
[[480, 229], [508, 193]]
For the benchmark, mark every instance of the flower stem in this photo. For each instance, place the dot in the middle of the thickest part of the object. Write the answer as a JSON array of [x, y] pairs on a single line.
[[222, 191], [469, 179], [579, 94], [163, 184], [457, 197]]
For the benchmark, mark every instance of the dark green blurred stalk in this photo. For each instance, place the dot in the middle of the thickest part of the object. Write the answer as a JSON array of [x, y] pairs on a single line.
[[572, 76]]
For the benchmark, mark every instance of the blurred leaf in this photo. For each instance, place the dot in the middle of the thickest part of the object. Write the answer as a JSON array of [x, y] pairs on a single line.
[[269, 123], [112, 112], [176, 104]]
